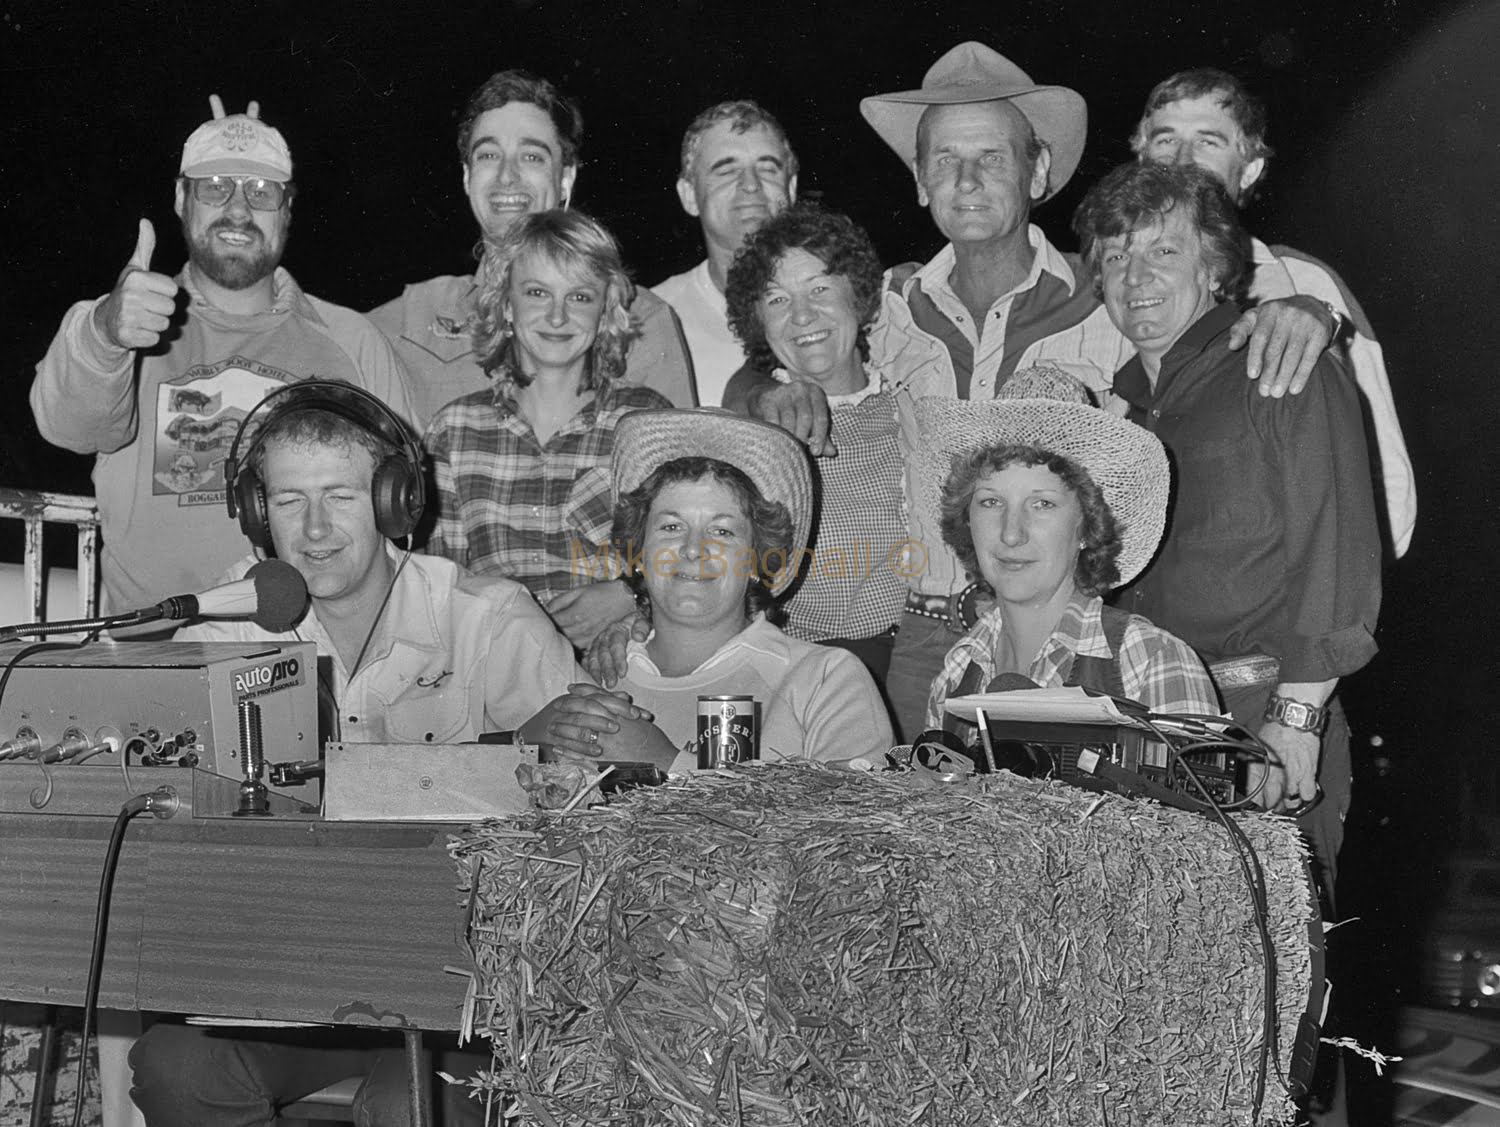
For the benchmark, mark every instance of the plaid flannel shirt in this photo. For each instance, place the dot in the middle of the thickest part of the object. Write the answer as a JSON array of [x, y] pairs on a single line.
[[508, 505], [1157, 669]]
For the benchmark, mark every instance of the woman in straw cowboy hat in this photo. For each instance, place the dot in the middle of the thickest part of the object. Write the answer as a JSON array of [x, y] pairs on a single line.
[[709, 542], [1050, 503]]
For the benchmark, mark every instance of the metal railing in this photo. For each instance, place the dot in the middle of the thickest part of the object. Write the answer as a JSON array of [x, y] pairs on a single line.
[[36, 508]]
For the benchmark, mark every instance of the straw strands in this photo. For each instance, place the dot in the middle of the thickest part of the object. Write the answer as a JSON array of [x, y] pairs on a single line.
[[790, 944]]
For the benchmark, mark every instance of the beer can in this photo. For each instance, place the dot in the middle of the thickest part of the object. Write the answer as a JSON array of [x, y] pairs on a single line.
[[728, 730]]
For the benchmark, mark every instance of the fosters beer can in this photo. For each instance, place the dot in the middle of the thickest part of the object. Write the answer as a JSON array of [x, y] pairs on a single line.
[[728, 730]]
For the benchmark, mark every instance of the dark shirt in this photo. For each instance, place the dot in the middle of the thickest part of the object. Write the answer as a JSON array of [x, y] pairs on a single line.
[[1271, 545]]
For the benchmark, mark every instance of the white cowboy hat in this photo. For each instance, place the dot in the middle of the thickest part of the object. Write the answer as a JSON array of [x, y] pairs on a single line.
[[972, 72]]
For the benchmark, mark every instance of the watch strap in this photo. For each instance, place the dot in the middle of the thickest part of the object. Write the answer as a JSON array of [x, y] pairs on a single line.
[[1342, 325]]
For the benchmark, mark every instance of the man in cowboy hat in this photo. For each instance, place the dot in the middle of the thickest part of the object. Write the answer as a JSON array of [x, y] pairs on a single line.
[[986, 144], [518, 144], [1207, 117]]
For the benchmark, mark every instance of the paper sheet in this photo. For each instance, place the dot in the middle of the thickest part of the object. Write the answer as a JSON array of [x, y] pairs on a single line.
[[1070, 705]]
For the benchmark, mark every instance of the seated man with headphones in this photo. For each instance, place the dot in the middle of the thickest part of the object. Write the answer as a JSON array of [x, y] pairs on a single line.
[[323, 476]]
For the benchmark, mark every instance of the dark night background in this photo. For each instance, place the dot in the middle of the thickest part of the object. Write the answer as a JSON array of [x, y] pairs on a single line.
[[1383, 113]]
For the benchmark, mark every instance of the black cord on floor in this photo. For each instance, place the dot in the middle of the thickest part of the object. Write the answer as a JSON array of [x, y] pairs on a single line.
[[137, 805]]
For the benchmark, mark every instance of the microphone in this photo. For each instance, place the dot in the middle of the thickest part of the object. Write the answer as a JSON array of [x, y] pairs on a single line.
[[273, 594]]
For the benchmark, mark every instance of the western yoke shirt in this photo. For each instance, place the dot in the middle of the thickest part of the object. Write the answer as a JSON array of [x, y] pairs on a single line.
[[452, 655], [1272, 545]]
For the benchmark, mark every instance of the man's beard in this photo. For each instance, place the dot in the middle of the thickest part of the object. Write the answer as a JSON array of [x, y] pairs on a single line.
[[226, 267]]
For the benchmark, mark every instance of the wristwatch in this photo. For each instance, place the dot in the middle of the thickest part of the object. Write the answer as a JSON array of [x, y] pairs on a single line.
[[1343, 325], [1296, 714]]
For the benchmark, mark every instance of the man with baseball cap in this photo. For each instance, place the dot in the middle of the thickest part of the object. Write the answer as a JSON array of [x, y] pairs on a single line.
[[154, 376], [986, 144], [518, 144]]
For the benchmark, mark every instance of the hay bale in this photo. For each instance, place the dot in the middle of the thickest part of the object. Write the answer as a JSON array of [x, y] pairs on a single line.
[[788, 944]]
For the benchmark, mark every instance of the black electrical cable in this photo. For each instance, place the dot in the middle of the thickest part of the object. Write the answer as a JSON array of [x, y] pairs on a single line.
[[35, 647], [137, 805], [1198, 733], [1255, 881]]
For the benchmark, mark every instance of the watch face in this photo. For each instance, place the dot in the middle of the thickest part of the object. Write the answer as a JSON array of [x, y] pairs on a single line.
[[1295, 714], [1298, 714]]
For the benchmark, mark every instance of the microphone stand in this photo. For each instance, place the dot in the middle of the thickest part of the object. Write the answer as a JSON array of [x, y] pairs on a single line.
[[80, 625]]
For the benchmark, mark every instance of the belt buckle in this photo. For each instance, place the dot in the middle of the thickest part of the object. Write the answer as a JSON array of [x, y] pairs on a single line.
[[947, 609]]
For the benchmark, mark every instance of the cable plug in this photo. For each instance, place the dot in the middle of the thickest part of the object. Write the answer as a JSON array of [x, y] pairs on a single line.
[[295, 774], [73, 744], [25, 744], [163, 803]]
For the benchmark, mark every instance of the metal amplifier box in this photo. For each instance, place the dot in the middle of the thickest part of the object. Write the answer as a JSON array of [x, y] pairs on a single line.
[[160, 704], [424, 782]]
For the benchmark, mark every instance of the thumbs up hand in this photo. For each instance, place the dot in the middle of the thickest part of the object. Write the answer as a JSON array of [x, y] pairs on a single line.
[[140, 307]]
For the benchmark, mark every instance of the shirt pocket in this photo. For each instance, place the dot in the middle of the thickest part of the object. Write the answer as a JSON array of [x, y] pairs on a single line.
[[428, 713], [588, 513]]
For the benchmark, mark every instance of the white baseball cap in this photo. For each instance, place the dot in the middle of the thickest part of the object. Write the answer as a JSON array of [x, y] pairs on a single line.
[[236, 145]]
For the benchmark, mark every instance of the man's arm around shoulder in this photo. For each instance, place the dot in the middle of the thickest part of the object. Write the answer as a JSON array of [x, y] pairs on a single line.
[[799, 406]]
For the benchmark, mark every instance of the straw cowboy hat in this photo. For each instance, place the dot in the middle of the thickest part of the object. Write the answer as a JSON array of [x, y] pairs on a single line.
[[769, 456], [972, 72], [1127, 462]]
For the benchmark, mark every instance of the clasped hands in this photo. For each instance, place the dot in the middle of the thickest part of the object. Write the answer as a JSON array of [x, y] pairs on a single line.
[[591, 724]]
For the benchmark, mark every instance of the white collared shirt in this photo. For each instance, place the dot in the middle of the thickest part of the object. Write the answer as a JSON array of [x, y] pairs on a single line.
[[453, 655]]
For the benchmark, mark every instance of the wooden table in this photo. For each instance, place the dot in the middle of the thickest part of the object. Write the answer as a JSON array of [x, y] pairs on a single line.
[[272, 918]]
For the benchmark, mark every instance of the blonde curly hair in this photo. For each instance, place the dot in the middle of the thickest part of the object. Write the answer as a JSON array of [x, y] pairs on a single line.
[[576, 244]]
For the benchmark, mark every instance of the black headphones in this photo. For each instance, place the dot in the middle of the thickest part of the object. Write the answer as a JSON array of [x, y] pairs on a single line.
[[398, 489]]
